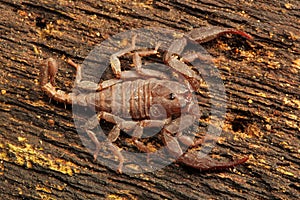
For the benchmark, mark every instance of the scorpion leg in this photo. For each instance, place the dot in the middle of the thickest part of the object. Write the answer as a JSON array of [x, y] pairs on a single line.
[[114, 60], [140, 72], [136, 127], [78, 70], [112, 147], [144, 53], [87, 85], [201, 35], [139, 130], [120, 124], [175, 128], [137, 60], [124, 75], [173, 61], [112, 136], [182, 68], [107, 84]]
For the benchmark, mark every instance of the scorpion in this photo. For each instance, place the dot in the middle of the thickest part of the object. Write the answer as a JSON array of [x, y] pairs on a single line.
[[118, 99]]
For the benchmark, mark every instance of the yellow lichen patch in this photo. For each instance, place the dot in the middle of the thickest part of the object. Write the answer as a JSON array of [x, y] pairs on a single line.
[[262, 163], [115, 197], [27, 155], [224, 46], [296, 102], [50, 29], [60, 187], [294, 117], [1, 168], [119, 197], [146, 4], [46, 197], [38, 103], [285, 145], [283, 171], [22, 139], [260, 94], [292, 124], [296, 63], [44, 189], [36, 50], [61, 22], [254, 146], [20, 191], [268, 127], [288, 5], [254, 130], [291, 102]]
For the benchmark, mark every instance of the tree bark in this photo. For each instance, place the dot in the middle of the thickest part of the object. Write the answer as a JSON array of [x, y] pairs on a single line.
[[42, 156]]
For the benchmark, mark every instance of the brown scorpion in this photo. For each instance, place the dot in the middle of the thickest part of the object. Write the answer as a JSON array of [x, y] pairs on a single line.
[[118, 99]]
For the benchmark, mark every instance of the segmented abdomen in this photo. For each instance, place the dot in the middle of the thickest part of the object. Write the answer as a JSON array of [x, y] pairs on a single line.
[[129, 99]]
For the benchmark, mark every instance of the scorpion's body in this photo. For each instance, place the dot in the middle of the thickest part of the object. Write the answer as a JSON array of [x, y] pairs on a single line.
[[129, 99], [132, 104], [132, 99]]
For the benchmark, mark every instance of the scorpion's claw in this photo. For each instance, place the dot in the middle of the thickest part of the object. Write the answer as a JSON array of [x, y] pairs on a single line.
[[48, 71], [194, 160]]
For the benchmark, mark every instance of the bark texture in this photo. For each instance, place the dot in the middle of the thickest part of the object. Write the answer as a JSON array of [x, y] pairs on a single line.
[[41, 154]]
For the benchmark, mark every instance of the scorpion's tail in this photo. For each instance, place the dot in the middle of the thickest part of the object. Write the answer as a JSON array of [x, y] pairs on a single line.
[[195, 160], [207, 33]]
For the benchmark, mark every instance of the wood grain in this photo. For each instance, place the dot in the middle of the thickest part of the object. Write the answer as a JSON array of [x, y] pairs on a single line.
[[41, 154]]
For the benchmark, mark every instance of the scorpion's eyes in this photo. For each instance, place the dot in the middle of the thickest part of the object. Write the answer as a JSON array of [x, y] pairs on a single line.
[[171, 96]]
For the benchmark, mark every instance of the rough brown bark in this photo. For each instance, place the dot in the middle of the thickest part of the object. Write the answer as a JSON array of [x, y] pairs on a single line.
[[42, 160]]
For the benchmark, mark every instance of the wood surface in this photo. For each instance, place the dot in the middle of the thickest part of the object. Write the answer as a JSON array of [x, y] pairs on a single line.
[[41, 154]]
